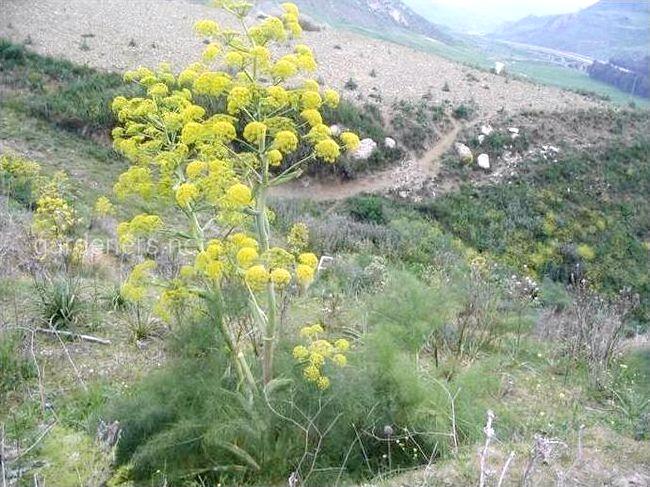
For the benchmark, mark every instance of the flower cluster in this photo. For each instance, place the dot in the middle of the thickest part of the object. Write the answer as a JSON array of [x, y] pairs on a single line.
[[317, 351]]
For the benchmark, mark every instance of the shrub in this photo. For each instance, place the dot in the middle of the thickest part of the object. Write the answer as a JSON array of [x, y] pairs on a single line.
[[589, 330], [351, 85], [367, 209], [464, 112], [182, 420], [19, 178]]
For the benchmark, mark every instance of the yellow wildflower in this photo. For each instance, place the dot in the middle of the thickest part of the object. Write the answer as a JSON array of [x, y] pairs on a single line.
[[234, 59], [186, 193], [309, 259], [280, 277], [322, 383], [207, 28], [284, 69], [342, 345], [328, 150], [275, 157], [340, 360], [210, 52], [256, 277], [311, 100], [103, 206], [239, 194], [331, 98], [351, 141], [238, 98], [312, 116], [304, 274], [255, 132], [311, 373], [300, 352], [246, 256], [195, 168], [285, 141]]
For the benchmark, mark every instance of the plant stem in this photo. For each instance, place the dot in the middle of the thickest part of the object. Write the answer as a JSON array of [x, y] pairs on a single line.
[[270, 326]]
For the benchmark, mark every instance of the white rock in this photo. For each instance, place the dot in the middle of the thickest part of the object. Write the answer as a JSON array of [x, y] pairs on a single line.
[[336, 130], [390, 143], [487, 129], [513, 130], [365, 149], [483, 161], [499, 67], [464, 152], [481, 138], [514, 136]]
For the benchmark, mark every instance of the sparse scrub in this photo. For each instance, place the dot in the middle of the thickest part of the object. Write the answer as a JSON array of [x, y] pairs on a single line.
[[464, 111], [72, 97], [417, 124], [351, 85]]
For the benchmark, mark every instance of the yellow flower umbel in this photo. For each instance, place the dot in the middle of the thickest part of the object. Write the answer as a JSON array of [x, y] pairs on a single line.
[[209, 143], [317, 352]]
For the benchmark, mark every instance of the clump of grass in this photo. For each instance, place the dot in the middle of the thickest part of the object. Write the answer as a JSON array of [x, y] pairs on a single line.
[[60, 302], [464, 111], [351, 85], [15, 367]]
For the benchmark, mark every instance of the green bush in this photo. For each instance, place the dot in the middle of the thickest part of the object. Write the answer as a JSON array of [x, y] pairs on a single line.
[[186, 418], [465, 111], [367, 209]]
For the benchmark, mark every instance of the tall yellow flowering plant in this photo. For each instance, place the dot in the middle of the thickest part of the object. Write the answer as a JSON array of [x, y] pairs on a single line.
[[210, 142]]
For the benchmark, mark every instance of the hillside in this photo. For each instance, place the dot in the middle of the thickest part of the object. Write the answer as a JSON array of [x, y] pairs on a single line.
[[353, 265], [375, 15], [607, 29]]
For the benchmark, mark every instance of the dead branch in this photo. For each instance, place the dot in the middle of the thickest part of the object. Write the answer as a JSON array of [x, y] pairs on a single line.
[[86, 338]]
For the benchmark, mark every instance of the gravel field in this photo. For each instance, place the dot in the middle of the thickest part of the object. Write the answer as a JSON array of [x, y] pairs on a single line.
[[123, 34]]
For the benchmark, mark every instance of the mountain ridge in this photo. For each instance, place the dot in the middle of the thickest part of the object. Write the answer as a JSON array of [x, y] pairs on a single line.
[[606, 29]]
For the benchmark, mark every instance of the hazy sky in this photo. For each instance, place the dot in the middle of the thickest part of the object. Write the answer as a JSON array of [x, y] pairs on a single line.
[[530, 6]]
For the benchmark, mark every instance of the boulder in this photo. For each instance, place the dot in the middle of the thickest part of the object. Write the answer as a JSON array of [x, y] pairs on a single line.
[[513, 130], [365, 149], [390, 143], [464, 153], [336, 130], [486, 130], [483, 161], [499, 67]]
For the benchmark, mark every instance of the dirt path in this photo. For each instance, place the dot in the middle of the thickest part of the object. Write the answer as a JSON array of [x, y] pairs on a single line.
[[426, 166]]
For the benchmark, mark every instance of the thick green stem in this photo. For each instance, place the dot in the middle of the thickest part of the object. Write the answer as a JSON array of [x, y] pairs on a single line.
[[270, 326], [238, 358]]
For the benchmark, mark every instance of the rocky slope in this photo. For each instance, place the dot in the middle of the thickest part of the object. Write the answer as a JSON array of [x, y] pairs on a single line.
[[376, 15], [101, 35]]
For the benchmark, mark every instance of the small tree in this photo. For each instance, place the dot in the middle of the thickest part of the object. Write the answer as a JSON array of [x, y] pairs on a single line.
[[206, 146]]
